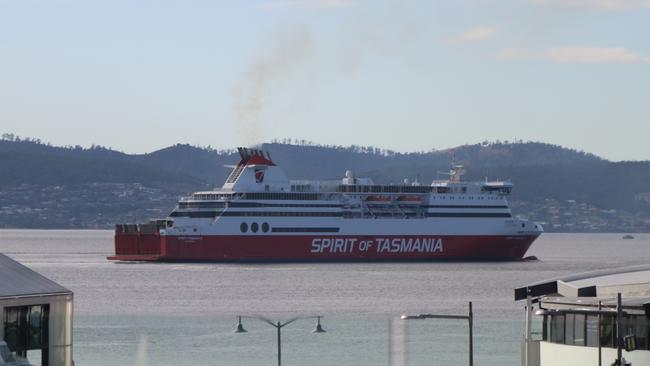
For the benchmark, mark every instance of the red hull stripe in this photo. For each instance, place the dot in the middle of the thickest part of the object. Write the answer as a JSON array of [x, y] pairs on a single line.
[[153, 247]]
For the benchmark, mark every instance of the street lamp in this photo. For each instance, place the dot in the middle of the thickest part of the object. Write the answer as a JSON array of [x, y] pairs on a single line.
[[278, 325], [470, 320]]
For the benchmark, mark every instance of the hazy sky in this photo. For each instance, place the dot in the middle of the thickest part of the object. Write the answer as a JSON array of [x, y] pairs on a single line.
[[404, 75]]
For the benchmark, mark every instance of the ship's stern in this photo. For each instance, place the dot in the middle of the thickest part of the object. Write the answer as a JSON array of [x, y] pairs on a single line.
[[138, 242]]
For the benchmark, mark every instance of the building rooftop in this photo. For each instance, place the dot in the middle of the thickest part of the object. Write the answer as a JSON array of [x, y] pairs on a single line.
[[629, 281], [631, 305], [19, 280]]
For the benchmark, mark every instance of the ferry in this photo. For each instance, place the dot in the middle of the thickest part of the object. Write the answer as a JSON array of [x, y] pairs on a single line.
[[260, 215]]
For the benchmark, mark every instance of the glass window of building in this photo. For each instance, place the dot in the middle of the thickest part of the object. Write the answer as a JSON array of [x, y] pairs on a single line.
[[569, 328], [607, 331], [636, 325], [557, 328], [592, 331], [26, 327], [579, 330], [642, 332]]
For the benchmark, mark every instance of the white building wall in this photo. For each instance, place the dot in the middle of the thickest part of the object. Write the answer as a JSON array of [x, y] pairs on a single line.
[[552, 354]]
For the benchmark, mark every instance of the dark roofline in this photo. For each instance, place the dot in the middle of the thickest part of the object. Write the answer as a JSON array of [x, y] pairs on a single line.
[[21, 281], [47, 294]]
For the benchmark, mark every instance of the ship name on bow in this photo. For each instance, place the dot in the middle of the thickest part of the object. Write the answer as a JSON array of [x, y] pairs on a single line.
[[377, 245]]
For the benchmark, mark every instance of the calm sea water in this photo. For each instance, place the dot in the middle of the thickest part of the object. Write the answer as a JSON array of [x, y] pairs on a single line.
[[183, 314]]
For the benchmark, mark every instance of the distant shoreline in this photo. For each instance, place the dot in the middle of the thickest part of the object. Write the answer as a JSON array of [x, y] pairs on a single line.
[[48, 187]]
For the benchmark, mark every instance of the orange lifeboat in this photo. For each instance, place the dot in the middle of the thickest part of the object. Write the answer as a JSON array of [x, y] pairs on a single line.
[[378, 199], [410, 199]]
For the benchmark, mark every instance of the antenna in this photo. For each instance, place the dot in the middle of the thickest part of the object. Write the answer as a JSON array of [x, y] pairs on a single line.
[[416, 182]]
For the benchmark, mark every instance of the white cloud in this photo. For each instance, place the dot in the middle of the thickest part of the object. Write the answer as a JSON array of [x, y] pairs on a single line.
[[517, 53], [311, 3], [476, 34], [617, 55], [577, 54], [607, 5]]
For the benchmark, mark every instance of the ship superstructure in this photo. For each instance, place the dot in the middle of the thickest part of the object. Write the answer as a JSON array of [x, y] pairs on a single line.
[[260, 215]]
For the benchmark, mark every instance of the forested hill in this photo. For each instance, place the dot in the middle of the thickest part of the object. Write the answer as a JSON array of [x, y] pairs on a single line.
[[49, 186], [33, 162]]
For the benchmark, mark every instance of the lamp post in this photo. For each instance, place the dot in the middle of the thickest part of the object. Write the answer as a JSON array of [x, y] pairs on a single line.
[[470, 321], [278, 325]]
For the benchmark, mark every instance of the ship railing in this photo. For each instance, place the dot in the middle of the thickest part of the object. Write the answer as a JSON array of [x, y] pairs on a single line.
[[337, 187], [151, 227], [314, 185], [208, 196], [126, 228], [235, 173]]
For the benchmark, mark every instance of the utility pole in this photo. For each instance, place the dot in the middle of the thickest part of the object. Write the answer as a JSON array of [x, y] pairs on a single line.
[[278, 326], [619, 330], [470, 321]]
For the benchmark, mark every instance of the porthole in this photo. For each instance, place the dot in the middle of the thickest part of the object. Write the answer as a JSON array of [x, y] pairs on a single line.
[[254, 227], [243, 227], [265, 227]]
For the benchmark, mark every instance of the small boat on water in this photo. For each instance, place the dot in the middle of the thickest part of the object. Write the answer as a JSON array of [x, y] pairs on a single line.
[[628, 236]]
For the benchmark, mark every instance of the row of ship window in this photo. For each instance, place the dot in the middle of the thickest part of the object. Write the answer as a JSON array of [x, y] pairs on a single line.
[[252, 205], [346, 214], [212, 214], [280, 196], [265, 227], [578, 329], [316, 196], [464, 197], [185, 205], [397, 189], [258, 196], [254, 227]]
